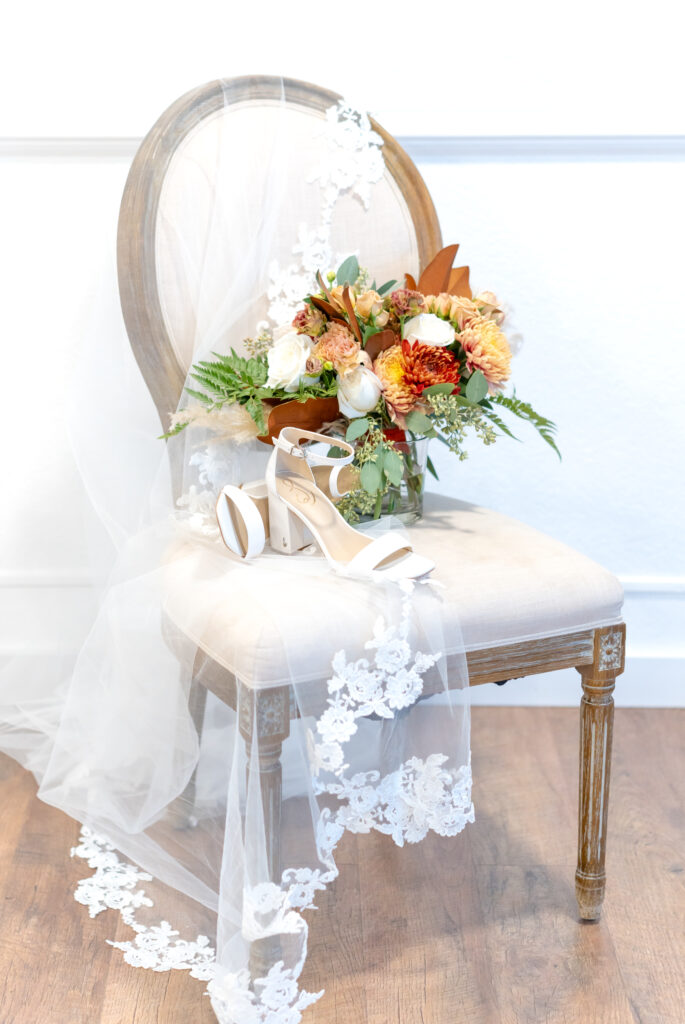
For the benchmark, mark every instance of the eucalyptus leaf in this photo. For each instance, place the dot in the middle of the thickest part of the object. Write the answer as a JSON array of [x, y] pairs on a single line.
[[439, 389], [370, 477], [431, 468], [418, 422], [348, 271], [357, 428], [477, 387], [393, 466]]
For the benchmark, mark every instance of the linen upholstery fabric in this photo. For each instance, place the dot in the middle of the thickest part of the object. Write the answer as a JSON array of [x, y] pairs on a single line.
[[503, 582]]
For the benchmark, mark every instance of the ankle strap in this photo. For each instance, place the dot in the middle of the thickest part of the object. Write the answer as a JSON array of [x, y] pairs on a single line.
[[289, 441]]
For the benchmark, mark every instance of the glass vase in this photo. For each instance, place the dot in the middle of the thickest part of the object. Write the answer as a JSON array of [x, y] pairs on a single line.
[[406, 500]]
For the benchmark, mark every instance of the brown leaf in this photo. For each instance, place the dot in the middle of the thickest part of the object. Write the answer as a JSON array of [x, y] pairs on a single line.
[[309, 415], [323, 286], [410, 282], [331, 311], [379, 342], [459, 282], [354, 323], [435, 277]]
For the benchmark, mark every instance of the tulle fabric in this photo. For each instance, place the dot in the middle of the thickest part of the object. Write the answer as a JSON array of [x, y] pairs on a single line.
[[161, 721]]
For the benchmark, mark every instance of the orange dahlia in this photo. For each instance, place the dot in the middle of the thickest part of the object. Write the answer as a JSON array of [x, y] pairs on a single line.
[[405, 370], [487, 350]]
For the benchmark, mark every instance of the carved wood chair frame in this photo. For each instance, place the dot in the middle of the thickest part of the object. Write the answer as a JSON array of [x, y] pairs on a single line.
[[597, 654]]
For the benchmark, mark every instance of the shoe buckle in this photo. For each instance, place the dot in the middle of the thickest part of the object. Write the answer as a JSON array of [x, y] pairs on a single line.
[[297, 451]]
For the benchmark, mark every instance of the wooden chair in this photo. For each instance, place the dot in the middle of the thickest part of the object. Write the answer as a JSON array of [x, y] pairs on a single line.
[[504, 572]]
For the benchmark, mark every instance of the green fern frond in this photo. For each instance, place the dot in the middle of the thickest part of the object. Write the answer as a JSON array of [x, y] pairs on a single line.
[[545, 428]]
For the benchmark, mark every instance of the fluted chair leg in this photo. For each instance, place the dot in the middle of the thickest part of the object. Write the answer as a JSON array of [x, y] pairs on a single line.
[[596, 731], [269, 712]]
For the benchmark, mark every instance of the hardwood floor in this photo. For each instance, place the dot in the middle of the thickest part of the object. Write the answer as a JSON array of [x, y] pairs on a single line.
[[481, 929]]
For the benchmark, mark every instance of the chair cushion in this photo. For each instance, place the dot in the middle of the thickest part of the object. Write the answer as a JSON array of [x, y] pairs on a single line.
[[503, 582]]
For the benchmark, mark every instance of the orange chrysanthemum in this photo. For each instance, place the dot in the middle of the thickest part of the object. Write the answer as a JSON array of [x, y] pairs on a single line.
[[426, 365], [487, 350], [405, 370]]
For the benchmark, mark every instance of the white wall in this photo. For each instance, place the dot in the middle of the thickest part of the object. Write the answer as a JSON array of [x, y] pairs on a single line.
[[553, 155]]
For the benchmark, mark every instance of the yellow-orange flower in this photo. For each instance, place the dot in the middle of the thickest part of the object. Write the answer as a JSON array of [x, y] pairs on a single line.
[[390, 368], [486, 349]]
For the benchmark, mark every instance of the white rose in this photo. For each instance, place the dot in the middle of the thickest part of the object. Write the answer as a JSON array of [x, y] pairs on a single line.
[[358, 392], [429, 329], [287, 360]]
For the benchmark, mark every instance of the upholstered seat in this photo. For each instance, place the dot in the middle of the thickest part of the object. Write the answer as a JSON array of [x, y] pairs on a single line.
[[504, 583]]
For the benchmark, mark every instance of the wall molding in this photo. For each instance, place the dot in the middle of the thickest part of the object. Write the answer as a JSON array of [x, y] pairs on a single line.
[[422, 148]]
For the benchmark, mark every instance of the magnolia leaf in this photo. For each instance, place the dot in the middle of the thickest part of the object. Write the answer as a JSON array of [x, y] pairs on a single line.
[[393, 466], [435, 277], [439, 389], [477, 387], [348, 271], [384, 288], [329, 310], [459, 282], [379, 341], [357, 428], [370, 477], [418, 422], [354, 323]]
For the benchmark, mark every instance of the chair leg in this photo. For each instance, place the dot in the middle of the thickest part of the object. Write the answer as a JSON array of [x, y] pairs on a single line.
[[269, 711], [181, 811], [596, 729]]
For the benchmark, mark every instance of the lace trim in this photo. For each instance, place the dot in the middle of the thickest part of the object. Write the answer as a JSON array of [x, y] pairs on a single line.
[[418, 797], [351, 161], [113, 887]]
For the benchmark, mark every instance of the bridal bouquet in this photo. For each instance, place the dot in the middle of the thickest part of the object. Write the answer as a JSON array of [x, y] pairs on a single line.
[[382, 366]]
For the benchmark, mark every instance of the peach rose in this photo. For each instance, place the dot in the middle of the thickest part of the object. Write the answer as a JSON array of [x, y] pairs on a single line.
[[370, 304]]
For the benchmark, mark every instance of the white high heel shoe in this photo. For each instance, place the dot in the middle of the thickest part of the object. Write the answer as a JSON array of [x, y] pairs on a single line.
[[297, 504], [244, 533], [243, 517]]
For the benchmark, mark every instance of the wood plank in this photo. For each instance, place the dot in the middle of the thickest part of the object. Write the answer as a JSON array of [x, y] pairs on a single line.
[[646, 862], [481, 929]]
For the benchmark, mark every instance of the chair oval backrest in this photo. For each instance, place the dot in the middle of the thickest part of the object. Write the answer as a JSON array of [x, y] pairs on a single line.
[[158, 317]]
